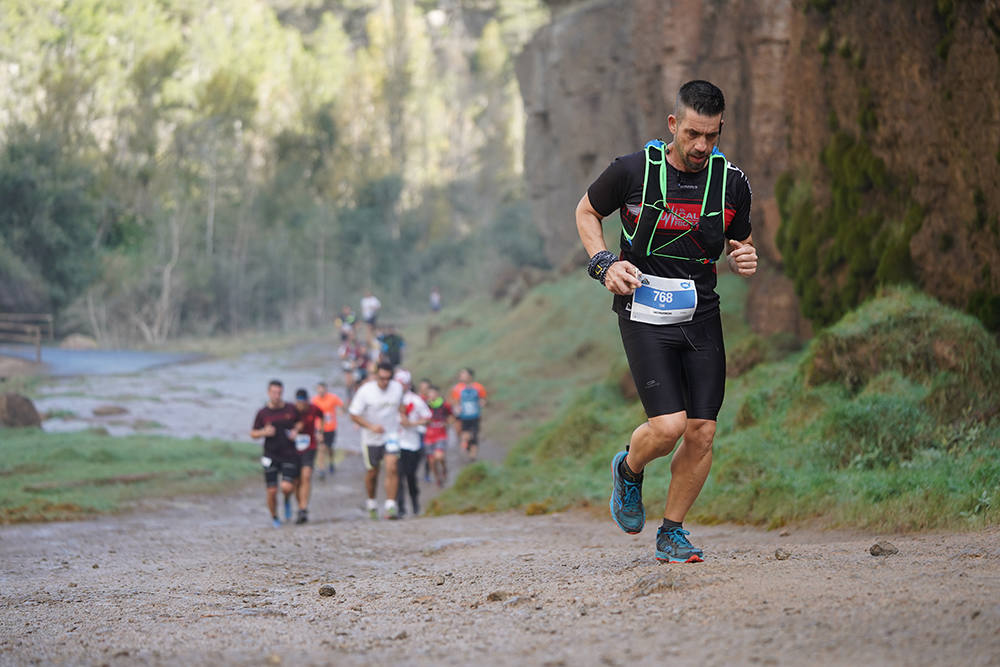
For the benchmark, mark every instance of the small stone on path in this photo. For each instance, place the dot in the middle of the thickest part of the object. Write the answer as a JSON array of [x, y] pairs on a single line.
[[883, 548], [109, 410], [782, 554], [326, 590]]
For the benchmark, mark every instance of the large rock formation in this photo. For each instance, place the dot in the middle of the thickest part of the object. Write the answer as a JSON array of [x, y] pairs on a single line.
[[601, 78]]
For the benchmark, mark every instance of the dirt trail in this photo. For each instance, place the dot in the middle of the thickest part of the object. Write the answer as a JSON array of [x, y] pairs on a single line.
[[207, 581], [196, 581]]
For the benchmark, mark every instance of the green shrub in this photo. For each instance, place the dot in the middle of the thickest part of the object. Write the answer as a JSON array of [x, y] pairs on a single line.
[[836, 253]]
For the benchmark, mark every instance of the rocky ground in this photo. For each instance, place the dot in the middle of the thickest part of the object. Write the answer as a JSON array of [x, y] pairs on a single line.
[[197, 581]]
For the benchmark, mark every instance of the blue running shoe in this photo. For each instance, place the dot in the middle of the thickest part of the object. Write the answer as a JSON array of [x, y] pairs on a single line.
[[275, 522], [672, 546], [288, 508], [626, 500]]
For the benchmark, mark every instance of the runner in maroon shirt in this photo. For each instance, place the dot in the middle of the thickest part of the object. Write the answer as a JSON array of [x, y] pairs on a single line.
[[306, 446], [275, 422]]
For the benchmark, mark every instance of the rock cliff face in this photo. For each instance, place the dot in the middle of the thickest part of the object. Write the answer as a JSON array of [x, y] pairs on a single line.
[[600, 80]]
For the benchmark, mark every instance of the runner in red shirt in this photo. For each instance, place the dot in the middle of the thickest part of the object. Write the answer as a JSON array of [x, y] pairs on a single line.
[[305, 443], [436, 437]]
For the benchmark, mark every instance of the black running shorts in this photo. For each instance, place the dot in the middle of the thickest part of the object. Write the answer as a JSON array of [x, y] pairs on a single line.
[[289, 472], [677, 367], [307, 459], [470, 426], [329, 437]]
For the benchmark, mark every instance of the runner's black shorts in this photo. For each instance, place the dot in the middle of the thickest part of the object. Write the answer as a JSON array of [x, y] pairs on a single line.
[[373, 454], [329, 437], [470, 426], [677, 367], [289, 471], [307, 459]]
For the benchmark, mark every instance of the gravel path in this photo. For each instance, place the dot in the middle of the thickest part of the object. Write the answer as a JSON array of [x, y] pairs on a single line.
[[208, 581], [199, 581]]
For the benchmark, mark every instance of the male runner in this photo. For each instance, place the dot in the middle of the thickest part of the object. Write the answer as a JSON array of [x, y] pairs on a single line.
[[423, 388], [468, 399], [305, 443], [416, 414], [275, 422], [436, 437], [377, 409], [328, 403], [370, 307], [668, 312]]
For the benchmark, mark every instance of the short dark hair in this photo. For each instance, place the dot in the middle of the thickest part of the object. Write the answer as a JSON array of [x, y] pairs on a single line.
[[385, 366], [471, 372], [700, 96], [275, 383]]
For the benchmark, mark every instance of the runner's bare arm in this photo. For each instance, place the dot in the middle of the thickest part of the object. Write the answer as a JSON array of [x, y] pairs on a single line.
[[622, 276], [742, 256], [364, 423], [266, 432]]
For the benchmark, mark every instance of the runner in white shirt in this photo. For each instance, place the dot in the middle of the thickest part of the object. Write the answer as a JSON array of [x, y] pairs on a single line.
[[370, 305], [377, 409], [416, 414]]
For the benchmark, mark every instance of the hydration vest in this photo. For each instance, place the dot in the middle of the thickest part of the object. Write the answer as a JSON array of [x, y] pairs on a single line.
[[711, 223], [468, 402]]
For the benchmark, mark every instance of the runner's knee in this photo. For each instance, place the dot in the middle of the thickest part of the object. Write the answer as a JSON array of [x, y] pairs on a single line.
[[666, 430], [699, 435]]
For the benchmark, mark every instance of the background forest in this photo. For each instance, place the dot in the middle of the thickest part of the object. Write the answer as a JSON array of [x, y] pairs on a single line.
[[180, 167]]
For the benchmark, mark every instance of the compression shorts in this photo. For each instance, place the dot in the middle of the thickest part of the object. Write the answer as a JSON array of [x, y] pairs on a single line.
[[679, 367]]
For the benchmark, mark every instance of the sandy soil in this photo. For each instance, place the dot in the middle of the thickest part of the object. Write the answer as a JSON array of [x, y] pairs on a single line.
[[196, 581]]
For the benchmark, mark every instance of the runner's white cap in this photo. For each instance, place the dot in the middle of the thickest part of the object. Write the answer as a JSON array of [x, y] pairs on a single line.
[[403, 377]]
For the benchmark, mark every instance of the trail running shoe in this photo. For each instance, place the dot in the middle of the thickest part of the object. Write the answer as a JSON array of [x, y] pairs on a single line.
[[373, 513], [672, 546], [391, 513], [626, 500], [288, 508], [303, 517], [275, 522]]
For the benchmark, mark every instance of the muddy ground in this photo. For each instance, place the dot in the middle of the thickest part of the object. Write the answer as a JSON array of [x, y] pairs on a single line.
[[196, 581]]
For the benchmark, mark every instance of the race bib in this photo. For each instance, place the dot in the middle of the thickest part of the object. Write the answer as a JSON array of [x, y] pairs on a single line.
[[664, 300], [302, 442], [265, 461], [392, 444]]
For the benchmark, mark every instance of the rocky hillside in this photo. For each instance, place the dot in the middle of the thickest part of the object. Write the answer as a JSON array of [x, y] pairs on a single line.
[[911, 87]]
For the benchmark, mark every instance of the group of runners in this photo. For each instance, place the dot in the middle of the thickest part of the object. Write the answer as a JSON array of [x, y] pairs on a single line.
[[401, 426], [683, 205]]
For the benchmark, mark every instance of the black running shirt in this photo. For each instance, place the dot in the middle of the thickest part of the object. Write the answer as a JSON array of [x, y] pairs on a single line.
[[620, 188]]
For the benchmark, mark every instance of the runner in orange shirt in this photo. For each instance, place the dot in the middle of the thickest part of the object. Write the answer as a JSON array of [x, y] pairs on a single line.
[[468, 398], [328, 403]]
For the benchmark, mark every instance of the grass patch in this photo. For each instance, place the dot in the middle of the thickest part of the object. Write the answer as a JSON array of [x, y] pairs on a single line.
[[49, 476], [887, 421]]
